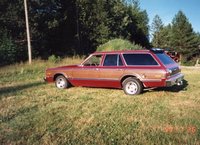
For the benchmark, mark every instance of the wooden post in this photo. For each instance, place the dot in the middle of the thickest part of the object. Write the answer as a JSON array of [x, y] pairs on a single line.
[[27, 32]]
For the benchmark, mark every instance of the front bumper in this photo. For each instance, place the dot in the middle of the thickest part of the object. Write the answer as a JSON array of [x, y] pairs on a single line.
[[175, 80], [48, 79]]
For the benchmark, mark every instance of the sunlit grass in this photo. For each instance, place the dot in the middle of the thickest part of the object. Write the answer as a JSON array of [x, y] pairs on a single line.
[[33, 112]]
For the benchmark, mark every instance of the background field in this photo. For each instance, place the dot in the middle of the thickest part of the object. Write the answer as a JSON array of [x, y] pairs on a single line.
[[33, 112]]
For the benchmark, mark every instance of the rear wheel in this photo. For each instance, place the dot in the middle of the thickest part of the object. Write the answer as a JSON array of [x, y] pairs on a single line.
[[61, 82], [132, 86]]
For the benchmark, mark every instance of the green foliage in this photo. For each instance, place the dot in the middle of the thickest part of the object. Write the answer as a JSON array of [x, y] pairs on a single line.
[[100, 21], [93, 29], [54, 59], [118, 44], [157, 24], [73, 27], [183, 38], [8, 50], [179, 36], [162, 38], [129, 22], [157, 27], [13, 25]]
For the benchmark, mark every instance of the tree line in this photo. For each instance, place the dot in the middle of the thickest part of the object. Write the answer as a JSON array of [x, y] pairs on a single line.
[[77, 27], [68, 27], [179, 36]]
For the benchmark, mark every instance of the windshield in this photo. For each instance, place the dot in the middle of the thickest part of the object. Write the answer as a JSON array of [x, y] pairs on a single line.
[[165, 59]]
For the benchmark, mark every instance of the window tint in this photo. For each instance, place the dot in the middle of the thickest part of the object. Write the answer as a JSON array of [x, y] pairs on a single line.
[[165, 59], [113, 60], [139, 59], [94, 60]]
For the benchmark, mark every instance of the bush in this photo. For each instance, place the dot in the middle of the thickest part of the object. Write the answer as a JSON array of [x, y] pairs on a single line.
[[54, 59], [8, 50], [191, 62], [118, 44]]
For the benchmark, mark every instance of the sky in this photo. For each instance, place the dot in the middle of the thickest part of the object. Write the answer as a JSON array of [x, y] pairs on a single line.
[[167, 9]]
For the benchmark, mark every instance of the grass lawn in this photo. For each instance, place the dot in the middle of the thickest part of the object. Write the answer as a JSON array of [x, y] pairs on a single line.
[[33, 112]]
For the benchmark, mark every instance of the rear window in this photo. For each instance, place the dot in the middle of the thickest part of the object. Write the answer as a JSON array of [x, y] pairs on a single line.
[[139, 59], [165, 59]]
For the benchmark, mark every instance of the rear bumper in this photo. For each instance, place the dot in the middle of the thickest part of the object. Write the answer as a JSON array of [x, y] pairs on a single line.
[[175, 80]]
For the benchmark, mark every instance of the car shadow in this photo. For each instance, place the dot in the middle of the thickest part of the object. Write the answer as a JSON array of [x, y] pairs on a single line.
[[14, 89], [172, 88]]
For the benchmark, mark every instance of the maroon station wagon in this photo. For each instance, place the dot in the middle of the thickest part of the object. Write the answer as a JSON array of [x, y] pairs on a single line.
[[131, 71]]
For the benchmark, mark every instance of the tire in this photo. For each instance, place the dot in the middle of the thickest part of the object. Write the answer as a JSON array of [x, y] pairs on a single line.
[[61, 82], [132, 86]]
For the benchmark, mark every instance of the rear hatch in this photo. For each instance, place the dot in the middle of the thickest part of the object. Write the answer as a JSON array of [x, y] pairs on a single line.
[[171, 66]]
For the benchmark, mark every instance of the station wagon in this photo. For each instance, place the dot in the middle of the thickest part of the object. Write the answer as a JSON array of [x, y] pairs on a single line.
[[131, 71]]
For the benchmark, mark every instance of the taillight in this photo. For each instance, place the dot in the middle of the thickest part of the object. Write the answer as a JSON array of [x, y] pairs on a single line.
[[179, 67]]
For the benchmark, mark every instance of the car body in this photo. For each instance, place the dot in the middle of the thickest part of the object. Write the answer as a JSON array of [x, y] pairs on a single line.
[[131, 71]]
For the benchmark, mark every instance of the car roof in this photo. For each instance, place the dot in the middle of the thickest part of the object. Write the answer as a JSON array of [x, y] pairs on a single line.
[[122, 51]]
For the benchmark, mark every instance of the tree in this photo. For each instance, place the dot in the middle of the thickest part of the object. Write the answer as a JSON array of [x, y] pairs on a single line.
[[73, 26], [93, 28], [162, 38], [184, 39], [8, 50], [128, 21], [157, 26], [140, 24], [12, 26], [165, 35]]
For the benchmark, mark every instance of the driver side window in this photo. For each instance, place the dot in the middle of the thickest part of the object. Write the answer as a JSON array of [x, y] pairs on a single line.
[[94, 60]]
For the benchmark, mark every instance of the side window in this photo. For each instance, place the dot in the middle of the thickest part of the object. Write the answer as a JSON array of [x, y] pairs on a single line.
[[139, 59], [94, 60], [113, 60]]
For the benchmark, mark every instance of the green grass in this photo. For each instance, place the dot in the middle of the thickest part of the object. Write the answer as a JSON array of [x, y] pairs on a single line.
[[33, 112]]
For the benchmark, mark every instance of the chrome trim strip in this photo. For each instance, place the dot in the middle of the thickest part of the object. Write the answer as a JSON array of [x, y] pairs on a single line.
[[98, 79], [151, 80]]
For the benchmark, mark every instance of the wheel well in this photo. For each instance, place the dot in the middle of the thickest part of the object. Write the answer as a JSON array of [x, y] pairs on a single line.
[[128, 76], [56, 75]]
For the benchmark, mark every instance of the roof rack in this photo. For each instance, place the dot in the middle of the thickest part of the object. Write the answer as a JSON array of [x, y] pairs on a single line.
[[157, 50]]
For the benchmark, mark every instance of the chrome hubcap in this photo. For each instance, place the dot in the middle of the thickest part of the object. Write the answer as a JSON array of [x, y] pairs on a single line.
[[131, 88], [60, 83]]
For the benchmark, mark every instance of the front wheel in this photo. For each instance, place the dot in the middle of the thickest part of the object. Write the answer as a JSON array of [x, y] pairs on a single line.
[[132, 86], [61, 82]]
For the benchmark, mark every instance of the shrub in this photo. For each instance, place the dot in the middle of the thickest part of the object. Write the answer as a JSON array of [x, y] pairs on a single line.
[[118, 44], [191, 62], [54, 59]]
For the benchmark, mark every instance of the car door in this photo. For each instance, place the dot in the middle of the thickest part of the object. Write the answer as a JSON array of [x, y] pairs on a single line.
[[111, 71], [87, 74]]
